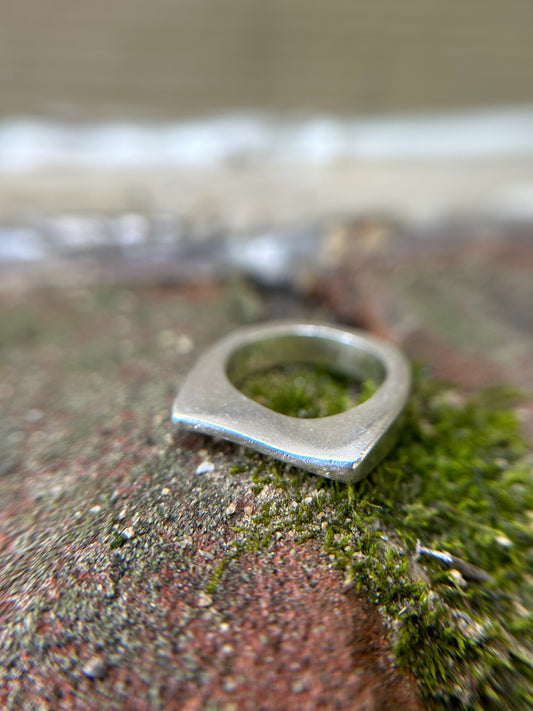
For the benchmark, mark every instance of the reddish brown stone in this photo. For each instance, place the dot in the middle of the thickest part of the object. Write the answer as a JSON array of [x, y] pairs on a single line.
[[110, 538]]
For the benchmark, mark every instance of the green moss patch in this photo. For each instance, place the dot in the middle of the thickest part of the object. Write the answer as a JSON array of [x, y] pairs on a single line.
[[302, 390], [439, 536]]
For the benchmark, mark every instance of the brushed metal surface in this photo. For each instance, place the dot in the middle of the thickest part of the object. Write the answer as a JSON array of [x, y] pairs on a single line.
[[344, 446]]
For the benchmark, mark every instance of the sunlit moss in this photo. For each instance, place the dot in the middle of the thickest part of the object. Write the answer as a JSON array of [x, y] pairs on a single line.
[[458, 480]]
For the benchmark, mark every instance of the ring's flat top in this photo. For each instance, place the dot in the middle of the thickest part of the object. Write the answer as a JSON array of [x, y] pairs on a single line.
[[343, 446]]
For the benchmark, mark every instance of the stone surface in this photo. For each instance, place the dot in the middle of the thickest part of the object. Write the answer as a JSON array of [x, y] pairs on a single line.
[[456, 298], [114, 533], [111, 532]]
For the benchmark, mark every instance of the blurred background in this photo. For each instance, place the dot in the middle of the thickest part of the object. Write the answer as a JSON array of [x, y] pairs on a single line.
[[174, 59], [236, 113]]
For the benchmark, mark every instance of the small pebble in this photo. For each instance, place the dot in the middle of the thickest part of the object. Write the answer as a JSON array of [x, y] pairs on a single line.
[[96, 667], [204, 600], [185, 542], [504, 541], [205, 468], [184, 344], [469, 627], [456, 576], [298, 686], [165, 491], [231, 509], [230, 684], [128, 533], [346, 587], [95, 509]]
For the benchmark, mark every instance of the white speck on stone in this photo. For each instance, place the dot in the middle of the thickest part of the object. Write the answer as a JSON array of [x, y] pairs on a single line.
[[184, 344], [469, 627], [205, 467], [458, 579], [96, 667], [122, 514], [298, 686], [165, 491], [95, 509], [230, 510], [205, 554], [204, 600], [230, 684], [128, 533]]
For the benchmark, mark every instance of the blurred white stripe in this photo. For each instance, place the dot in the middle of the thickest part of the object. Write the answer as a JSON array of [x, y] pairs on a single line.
[[27, 144]]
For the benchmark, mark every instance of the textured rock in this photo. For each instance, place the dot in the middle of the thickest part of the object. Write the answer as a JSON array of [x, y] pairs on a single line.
[[120, 582], [110, 536]]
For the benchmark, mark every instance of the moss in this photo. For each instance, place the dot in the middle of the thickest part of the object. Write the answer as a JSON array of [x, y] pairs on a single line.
[[302, 390], [458, 481], [118, 540], [217, 574]]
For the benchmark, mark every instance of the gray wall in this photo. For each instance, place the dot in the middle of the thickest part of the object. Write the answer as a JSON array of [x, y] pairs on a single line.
[[178, 57]]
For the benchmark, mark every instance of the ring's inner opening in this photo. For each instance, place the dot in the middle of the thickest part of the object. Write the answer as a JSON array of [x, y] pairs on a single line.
[[305, 376]]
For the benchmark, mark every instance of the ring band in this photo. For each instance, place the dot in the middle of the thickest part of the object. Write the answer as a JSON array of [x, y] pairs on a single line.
[[345, 446]]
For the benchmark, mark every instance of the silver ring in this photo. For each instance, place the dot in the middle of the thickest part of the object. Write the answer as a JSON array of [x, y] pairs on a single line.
[[345, 446]]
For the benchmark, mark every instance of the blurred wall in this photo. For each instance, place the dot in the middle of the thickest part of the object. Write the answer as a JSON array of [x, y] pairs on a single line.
[[179, 57]]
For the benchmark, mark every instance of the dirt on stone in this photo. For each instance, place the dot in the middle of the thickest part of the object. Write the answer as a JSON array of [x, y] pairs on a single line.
[[112, 531]]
